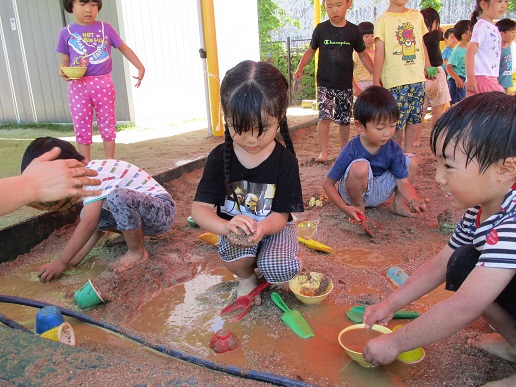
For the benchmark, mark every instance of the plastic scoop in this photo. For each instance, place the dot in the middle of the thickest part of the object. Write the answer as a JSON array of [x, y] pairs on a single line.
[[293, 318], [315, 245], [356, 313], [244, 302], [368, 224]]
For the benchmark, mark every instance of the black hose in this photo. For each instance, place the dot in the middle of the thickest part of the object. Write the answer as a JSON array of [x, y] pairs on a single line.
[[231, 370], [13, 324]]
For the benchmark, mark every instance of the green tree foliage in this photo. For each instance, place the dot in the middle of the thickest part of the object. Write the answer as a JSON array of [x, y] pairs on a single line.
[[270, 18], [435, 4]]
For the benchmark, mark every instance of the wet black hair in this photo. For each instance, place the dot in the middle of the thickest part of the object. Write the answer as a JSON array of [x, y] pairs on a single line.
[[430, 15], [374, 104], [460, 28], [482, 126], [448, 32], [505, 25], [43, 144], [249, 93], [366, 28], [68, 4]]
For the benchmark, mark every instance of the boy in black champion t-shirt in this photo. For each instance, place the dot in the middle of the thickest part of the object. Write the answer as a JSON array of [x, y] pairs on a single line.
[[336, 39]]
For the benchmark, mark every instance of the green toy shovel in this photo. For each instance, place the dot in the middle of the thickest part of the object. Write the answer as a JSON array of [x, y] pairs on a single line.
[[356, 313], [293, 318]]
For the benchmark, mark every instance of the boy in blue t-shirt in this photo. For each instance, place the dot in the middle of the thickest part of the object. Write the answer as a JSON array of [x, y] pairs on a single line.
[[507, 28], [456, 67], [336, 39], [373, 166], [451, 43]]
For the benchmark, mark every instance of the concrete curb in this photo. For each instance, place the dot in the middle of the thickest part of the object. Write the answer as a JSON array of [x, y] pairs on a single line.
[[22, 237]]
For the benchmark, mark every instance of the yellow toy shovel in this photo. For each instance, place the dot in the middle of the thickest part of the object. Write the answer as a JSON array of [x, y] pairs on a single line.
[[209, 237], [315, 245]]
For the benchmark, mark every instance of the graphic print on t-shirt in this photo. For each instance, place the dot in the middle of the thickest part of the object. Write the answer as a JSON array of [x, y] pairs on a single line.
[[407, 40], [253, 200], [91, 47]]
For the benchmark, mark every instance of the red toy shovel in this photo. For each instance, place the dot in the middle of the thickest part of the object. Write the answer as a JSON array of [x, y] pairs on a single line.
[[244, 302]]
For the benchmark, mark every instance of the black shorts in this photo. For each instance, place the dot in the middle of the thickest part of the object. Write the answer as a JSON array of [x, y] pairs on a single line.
[[462, 262]]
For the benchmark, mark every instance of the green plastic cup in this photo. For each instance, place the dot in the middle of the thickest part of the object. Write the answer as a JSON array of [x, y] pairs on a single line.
[[432, 71], [87, 296]]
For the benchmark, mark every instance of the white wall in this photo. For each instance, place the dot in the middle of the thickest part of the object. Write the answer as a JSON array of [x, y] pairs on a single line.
[[166, 37], [237, 32]]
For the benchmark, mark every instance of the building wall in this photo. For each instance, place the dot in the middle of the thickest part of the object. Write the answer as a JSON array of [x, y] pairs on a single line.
[[165, 35]]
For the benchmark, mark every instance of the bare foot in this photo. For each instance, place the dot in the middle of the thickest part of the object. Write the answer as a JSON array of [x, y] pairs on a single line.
[[401, 210], [246, 285], [323, 157], [128, 261], [114, 239], [495, 344], [416, 143]]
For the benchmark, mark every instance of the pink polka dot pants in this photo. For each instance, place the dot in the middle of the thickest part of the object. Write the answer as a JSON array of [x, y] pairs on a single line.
[[86, 95]]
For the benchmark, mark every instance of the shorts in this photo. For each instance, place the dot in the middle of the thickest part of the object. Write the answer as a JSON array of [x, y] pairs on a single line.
[[276, 255], [436, 90], [462, 262], [456, 94], [364, 84], [379, 188], [126, 209], [410, 102], [334, 101], [485, 84]]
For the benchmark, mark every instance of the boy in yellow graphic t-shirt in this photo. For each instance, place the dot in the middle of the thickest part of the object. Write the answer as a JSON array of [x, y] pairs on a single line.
[[399, 65]]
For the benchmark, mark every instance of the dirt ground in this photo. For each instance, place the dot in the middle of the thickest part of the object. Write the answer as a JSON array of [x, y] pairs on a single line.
[[177, 256]]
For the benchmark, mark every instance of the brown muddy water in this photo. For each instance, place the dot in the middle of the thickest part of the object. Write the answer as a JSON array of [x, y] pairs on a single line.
[[189, 313]]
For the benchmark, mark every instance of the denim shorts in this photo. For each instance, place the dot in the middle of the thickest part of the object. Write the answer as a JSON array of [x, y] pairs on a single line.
[[379, 188], [334, 101], [410, 100]]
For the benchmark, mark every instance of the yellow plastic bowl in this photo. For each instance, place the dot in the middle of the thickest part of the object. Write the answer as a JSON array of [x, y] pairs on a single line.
[[74, 72], [413, 356], [305, 283], [357, 356]]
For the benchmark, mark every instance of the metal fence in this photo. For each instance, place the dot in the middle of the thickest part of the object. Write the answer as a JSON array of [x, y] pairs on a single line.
[[291, 42]]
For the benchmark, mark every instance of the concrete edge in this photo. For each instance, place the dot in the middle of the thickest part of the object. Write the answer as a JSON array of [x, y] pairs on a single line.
[[20, 238]]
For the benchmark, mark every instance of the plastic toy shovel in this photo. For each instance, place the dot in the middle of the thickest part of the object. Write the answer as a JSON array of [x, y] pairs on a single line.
[[356, 313], [293, 318], [315, 245]]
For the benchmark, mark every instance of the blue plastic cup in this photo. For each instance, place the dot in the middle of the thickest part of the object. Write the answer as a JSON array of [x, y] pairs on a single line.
[[47, 318], [397, 275]]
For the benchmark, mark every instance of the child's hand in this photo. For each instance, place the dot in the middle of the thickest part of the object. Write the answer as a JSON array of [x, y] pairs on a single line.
[[63, 75], [377, 314], [241, 223], [417, 206], [381, 350], [258, 234], [352, 213], [471, 85], [141, 74], [51, 270], [459, 83]]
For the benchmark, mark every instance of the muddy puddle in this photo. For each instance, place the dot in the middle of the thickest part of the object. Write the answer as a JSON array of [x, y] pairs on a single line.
[[187, 315]]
